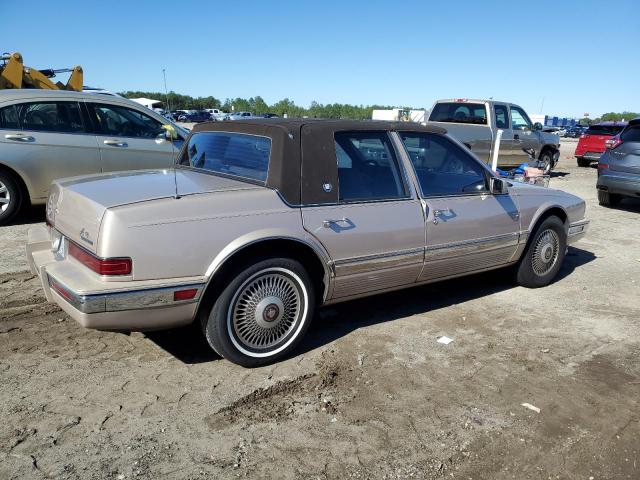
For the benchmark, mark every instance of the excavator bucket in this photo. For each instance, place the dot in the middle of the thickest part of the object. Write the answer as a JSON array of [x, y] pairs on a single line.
[[13, 74]]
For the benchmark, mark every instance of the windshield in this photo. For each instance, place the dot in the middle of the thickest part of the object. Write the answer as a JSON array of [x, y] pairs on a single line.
[[458, 112], [604, 129], [236, 154]]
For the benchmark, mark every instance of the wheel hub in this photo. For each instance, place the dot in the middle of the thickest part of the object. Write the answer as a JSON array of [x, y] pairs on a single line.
[[5, 197], [269, 312]]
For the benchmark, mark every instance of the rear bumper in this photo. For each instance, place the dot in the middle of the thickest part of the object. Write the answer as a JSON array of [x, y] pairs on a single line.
[[577, 230], [619, 183], [593, 156], [108, 305]]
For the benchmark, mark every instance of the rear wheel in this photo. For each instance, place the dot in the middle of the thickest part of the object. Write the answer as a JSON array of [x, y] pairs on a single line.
[[10, 197], [607, 199], [262, 314], [583, 162], [544, 255]]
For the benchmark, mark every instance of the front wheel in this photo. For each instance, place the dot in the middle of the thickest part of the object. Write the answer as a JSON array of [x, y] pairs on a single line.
[[546, 161], [544, 255], [262, 314]]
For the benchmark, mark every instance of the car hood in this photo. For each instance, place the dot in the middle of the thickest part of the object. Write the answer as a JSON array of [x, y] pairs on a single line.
[[77, 205]]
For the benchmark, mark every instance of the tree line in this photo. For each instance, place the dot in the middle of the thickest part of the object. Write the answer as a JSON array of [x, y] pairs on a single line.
[[611, 117], [258, 106]]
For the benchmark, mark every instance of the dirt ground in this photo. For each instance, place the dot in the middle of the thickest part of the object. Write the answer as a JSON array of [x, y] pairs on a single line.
[[370, 393]]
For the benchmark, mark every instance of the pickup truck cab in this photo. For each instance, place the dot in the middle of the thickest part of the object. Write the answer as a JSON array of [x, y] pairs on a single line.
[[475, 123]]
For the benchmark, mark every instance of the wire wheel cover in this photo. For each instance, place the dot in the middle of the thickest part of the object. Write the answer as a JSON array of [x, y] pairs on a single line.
[[545, 252], [266, 309], [5, 197]]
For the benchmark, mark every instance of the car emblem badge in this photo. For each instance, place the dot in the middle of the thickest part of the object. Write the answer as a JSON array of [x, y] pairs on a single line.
[[327, 187], [84, 236]]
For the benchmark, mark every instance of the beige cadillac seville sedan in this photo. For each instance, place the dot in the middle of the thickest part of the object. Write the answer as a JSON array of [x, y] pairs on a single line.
[[261, 221]]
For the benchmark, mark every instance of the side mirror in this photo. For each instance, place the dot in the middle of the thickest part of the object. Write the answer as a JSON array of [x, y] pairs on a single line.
[[537, 126], [170, 133], [498, 186]]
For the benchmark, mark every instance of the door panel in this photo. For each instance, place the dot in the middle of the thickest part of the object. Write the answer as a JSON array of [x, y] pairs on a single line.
[[469, 233], [374, 246], [51, 143], [129, 139]]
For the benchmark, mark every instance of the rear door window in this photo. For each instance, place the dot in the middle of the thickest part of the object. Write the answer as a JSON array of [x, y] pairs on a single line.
[[59, 117], [368, 169], [459, 112], [502, 116]]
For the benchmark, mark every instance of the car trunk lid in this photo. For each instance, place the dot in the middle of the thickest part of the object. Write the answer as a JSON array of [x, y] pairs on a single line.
[[77, 206]]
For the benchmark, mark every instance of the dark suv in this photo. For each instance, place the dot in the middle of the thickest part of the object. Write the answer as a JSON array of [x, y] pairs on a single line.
[[619, 166]]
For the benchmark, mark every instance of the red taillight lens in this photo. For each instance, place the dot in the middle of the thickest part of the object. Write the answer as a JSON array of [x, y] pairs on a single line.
[[613, 142], [184, 294], [60, 290], [102, 266]]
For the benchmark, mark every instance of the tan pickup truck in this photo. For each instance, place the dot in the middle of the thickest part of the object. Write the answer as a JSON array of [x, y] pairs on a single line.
[[475, 123]]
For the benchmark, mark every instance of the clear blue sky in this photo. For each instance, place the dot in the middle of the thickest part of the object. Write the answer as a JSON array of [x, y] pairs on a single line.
[[580, 56]]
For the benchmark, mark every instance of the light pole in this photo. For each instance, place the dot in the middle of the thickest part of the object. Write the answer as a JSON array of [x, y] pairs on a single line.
[[166, 92]]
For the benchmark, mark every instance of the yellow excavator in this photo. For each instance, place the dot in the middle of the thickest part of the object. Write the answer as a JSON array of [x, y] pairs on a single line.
[[14, 74]]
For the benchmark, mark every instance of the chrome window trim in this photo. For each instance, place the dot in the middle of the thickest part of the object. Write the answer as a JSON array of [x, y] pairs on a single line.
[[128, 300]]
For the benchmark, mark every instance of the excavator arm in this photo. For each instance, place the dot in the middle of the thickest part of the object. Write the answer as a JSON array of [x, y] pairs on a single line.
[[13, 74]]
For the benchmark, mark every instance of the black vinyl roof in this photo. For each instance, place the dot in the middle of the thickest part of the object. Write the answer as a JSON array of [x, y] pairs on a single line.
[[303, 156]]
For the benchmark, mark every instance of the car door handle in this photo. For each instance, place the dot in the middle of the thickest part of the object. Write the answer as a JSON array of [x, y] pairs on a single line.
[[440, 213], [115, 143], [516, 137], [19, 137], [329, 223]]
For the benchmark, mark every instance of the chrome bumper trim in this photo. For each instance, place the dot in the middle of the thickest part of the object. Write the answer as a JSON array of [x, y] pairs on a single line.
[[578, 228], [121, 301]]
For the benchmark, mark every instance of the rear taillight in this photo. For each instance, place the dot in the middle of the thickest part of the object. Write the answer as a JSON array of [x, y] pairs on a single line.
[[613, 142], [102, 266]]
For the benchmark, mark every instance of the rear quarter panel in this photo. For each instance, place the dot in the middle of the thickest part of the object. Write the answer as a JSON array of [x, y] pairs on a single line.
[[189, 236]]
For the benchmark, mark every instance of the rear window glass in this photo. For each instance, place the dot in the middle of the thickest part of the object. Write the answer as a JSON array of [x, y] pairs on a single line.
[[234, 154], [459, 113], [60, 117], [631, 134], [604, 129]]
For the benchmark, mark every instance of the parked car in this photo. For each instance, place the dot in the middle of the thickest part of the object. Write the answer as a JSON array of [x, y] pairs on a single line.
[[269, 115], [475, 123], [47, 134], [619, 166], [575, 132], [592, 142], [216, 114], [196, 117], [247, 235], [239, 116]]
